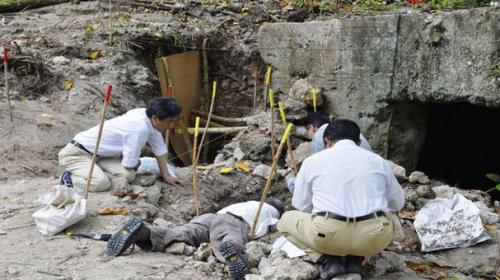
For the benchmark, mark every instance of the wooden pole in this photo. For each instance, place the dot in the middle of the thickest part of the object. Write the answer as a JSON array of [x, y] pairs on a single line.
[[255, 90], [288, 144], [99, 134], [223, 130], [273, 135], [268, 182], [212, 101], [7, 89], [195, 175], [266, 87], [221, 120]]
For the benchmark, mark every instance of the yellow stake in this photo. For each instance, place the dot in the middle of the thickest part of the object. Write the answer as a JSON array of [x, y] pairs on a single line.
[[195, 176], [288, 144], [214, 89], [268, 75], [266, 86], [314, 98]]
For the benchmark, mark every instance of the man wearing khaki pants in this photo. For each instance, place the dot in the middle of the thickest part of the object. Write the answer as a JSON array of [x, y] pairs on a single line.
[[122, 141], [342, 195]]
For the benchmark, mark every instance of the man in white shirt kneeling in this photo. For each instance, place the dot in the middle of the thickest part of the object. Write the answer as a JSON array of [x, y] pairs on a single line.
[[122, 141], [342, 195]]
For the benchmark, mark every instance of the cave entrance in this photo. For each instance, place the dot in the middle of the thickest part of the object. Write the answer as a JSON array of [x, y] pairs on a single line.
[[457, 143]]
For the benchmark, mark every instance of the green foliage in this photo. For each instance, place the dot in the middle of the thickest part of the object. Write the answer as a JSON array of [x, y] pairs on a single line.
[[449, 278], [456, 4], [494, 72], [176, 38], [495, 178], [378, 5], [88, 31], [300, 3]]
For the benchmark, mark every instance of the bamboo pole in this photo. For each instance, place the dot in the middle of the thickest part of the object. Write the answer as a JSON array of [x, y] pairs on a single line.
[[219, 119], [268, 182], [255, 83], [266, 87], [99, 134], [212, 101], [170, 94], [224, 130], [195, 175], [7, 89], [273, 135], [288, 144]]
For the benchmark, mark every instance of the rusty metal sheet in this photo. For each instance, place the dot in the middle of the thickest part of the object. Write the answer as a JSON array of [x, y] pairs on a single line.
[[183, 73]]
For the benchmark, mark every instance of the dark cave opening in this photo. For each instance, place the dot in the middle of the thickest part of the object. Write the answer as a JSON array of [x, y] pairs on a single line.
[[462, 144]]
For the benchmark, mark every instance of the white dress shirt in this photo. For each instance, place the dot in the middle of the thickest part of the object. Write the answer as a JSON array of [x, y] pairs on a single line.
[[347, 180], [125, 135], [247, 210], [318, 144]]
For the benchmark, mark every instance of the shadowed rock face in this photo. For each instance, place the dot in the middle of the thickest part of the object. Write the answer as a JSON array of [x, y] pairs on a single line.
[[382, 71]]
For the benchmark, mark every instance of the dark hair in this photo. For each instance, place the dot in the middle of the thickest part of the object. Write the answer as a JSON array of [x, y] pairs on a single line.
[[316, 119], [163, 107], [340, 129], [277, 204]]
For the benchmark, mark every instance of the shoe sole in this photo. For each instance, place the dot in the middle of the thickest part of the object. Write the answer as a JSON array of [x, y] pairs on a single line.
[[122, 239], [237, 266]]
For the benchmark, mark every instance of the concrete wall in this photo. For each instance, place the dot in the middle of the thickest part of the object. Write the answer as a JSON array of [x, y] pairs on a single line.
[[368, 66]]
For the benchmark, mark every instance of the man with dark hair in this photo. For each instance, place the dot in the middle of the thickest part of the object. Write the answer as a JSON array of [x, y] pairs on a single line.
[[122, 141], [227, 231], [343, 195]]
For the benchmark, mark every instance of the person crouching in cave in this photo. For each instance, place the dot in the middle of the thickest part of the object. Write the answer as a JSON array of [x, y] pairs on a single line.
[[227, 231], [343, 196]]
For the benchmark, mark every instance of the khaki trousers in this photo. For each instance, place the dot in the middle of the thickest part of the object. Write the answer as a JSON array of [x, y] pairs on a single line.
[[77, 161], [317, 235]]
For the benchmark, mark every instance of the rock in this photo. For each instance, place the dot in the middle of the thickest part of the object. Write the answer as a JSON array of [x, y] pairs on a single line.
[[60, 60], [203, 252], [3, 232], [302, 90], [189, 250], [295, 110], [418, 177], [176, 248], [163, 223], [443, 191], [389, 262], [235, 6], [219, 158], [421, 202], [496, 204], [350, 276], [488, 217], [262, 170], [255, 251], [425, 191], [153, 194], [277, 266], [399, 171], [256, 146], [238, 154], [301, 131], [410, 194], [301, 153], [12, 270], [254, 277], [147, 180], [481, 259]]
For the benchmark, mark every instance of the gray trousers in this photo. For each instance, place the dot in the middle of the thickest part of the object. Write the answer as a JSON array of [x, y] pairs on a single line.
[[213, 228]]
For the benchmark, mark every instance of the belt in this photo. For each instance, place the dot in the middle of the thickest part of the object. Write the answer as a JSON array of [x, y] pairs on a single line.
[[80, 146], [331, 215]]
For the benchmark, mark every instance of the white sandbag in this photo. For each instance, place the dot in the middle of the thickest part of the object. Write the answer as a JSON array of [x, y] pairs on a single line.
[[449, 223], [150, 165], [283, 245], [65, 208]]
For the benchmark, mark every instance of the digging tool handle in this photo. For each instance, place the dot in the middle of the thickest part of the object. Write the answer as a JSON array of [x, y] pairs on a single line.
[[7, 89], [5, 55], [99, 134]]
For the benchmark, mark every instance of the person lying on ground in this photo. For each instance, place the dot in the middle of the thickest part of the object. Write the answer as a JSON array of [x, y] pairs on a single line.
[[227, 231], [316, 123], [122, 141], [343, 196]]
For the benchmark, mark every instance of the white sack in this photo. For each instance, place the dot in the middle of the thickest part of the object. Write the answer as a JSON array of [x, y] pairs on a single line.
[[65, 208], [150, 165], [449, 223], [282, 244]]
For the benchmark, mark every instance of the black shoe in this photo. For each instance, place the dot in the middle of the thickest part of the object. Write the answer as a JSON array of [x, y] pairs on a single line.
[[237, 265], [354, 264], [65, 179], [332, 266], [132, 231]]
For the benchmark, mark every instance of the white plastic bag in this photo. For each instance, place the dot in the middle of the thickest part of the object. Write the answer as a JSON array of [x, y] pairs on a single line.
[[64, 208], [449, 223], [150, 165]]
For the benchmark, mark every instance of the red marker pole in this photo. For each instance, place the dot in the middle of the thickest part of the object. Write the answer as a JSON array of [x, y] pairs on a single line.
[[7, 90], [99, 134]]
